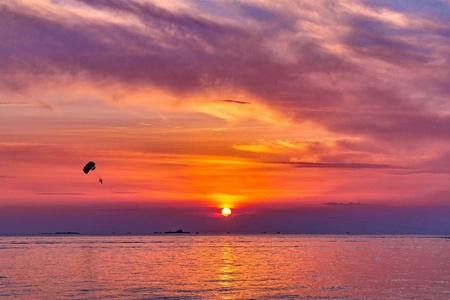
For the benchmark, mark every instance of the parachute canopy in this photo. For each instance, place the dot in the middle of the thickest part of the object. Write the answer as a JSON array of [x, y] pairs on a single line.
[[89, 167]]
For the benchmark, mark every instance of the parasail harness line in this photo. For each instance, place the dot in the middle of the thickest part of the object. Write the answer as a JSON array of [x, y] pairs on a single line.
[[90, 166]]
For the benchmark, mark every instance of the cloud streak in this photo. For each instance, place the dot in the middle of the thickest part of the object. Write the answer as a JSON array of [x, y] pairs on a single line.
[[344, 203], [60, 194], [341, 165], [233, 101]]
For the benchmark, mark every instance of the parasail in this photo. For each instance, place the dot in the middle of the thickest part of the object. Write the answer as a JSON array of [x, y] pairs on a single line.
[[89, 167]]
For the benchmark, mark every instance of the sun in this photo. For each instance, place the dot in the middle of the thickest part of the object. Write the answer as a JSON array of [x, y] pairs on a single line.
[[226, 212]]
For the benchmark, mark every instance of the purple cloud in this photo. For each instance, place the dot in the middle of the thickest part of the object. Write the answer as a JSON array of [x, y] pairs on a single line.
[[359, 72], [177, 57]]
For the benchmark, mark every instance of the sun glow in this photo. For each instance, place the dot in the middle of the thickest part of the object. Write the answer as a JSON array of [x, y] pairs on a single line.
[[226, 212]]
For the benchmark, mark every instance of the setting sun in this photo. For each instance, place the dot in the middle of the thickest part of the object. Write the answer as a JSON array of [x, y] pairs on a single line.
[[226, 212]]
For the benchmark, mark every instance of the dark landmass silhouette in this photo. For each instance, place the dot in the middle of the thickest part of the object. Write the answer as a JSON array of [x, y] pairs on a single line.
[[178, 231]]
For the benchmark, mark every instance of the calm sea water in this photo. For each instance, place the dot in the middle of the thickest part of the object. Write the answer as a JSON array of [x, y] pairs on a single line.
[[225, 267]]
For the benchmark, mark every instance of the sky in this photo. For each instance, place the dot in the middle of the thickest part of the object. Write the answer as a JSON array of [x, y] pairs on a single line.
[[312, 116]]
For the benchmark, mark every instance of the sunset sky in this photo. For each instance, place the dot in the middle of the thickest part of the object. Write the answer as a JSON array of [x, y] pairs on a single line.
[[301, 116]]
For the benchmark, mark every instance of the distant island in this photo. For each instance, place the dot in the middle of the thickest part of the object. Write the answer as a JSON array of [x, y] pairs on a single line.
[[67, 232], [178, 231]]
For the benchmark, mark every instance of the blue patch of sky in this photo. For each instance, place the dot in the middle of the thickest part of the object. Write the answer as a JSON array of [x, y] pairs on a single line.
[[430, 9], [243, 12], [257, 13], [374, 33], [214, 8], [435, 8]]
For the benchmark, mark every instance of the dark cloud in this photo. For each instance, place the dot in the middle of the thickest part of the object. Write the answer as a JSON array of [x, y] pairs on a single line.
[[234, 101], [60, 194], [341, 165], [125, 192], [344, 203]]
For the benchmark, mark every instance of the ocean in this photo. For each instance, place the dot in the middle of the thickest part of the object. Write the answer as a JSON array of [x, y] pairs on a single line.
[[262, 266]]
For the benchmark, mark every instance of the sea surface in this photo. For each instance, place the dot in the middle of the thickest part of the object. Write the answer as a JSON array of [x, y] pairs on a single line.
[[264, 266]]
